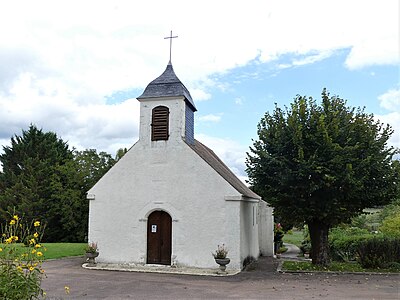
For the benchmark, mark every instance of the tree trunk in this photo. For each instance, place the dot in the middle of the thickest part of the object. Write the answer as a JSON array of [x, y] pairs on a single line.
[[319, 242]]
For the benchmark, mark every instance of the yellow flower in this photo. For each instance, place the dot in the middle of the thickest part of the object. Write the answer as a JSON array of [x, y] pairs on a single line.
[[32, 241], [36, 235], [12, 222], [16, 218], [36, 224], [15, 238], [9, 240], [19, 268], [31, 268], [66, 289], [33, 251], [39, 253], [38, 246], [1, 249]]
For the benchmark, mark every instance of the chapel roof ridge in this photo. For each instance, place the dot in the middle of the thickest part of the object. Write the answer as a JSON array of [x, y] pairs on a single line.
[[167, 85]]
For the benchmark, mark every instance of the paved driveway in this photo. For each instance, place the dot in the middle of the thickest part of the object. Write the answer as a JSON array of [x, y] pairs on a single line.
[[262, 282]]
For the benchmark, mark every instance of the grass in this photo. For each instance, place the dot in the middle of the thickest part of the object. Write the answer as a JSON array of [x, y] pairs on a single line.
[[294, 237], [334, 267], [60, 250]]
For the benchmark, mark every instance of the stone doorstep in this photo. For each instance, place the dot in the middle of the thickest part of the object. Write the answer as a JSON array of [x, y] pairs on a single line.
[[159, 269]]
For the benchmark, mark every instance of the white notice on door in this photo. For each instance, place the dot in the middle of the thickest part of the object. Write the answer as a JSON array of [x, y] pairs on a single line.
[[153, 228]]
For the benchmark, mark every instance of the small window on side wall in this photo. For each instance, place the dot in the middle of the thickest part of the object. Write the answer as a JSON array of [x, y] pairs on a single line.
[[159, 123]]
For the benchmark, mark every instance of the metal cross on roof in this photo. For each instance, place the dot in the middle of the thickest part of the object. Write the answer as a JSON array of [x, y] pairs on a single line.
[[170, 44]]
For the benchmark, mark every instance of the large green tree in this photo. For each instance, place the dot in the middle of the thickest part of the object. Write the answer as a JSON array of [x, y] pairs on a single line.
[[83, 172], [92, 165], [322, 164], [34, 180], [43, 179]]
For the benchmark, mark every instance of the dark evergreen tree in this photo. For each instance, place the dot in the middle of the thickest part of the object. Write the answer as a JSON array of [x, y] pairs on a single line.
[[29, 182], [43, 179], [322, 165]]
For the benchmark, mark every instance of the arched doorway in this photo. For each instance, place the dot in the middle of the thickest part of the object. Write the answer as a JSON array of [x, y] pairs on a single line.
[[159, 237]]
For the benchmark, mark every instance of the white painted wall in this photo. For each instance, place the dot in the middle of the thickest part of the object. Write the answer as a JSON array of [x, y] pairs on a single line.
[[176, 121], [266, 229], [170, 176], [249, 230], [125, 197]]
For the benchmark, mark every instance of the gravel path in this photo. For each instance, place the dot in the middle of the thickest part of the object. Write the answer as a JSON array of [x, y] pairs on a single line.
[[260, 281]]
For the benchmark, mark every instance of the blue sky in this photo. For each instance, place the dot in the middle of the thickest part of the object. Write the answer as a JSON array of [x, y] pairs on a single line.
[[255, 88], [76, 67]]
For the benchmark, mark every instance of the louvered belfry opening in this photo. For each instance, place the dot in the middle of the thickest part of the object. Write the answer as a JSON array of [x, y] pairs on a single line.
[[159, 123]]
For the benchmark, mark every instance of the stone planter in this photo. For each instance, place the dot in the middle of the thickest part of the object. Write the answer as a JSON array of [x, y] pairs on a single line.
[[278, 255], [92, 258], [222, 264]]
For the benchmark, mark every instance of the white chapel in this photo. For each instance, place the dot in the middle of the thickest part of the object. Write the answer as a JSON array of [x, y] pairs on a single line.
[[170, 200]]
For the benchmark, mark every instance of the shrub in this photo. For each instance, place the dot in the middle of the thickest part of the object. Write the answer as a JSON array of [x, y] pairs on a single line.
[[344, 242], [20, 260], [379, 252], [391, 225]]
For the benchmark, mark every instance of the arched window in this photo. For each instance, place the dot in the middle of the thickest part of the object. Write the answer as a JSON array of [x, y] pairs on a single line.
[[159, 123]]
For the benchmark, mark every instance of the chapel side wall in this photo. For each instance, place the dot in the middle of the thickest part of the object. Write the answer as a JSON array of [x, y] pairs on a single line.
[[249, 245], [266, 231]]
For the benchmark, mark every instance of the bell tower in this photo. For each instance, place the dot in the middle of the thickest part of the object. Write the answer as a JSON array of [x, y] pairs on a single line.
[[166, 111]]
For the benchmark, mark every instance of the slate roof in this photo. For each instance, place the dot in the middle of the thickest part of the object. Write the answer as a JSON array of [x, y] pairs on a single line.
[[167, 85], [217, 164]]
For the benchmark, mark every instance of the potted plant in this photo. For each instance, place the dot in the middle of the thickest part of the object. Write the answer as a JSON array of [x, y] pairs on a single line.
[[220, 258], [92, 251]]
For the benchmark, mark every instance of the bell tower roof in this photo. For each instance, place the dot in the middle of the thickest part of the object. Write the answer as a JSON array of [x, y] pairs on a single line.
[[167, 85]]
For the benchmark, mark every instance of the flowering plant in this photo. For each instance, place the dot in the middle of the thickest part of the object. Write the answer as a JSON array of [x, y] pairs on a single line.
[[91, 248], [21, 256], [221, 252]]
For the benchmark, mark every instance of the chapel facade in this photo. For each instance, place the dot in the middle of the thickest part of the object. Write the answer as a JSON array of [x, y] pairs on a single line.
[[170, 200]]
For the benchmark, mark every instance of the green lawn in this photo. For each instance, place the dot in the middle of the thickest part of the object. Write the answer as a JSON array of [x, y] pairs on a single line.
[[334, 266], [59, 250], [294, 237]]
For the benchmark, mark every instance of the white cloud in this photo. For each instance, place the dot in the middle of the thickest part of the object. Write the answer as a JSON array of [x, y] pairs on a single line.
[[85, 125], [393, 119], [391, 100], [210, 118], [199, 94], [60, 59]]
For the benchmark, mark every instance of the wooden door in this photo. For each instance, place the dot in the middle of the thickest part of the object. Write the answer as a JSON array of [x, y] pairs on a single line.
[[159, 237]]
